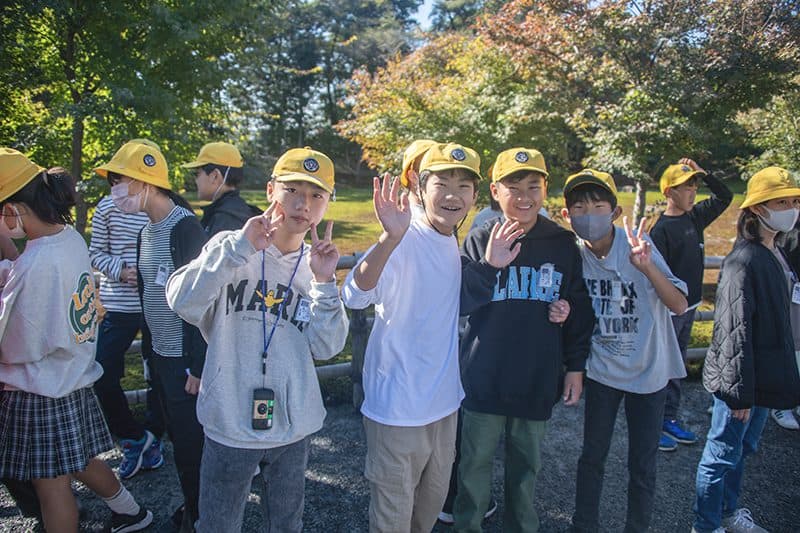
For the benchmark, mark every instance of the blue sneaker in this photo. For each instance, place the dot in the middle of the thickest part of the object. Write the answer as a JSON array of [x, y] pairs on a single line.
[[132, 452], [673, 429], [153, 456], [666, 444]]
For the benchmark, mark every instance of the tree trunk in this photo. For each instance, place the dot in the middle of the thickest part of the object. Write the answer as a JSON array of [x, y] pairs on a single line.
[[639, 204], [81, 209]]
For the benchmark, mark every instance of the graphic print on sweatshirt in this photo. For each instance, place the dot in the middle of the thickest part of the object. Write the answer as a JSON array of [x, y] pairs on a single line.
[[246, 296], [528, 283], [616, 323], [83, 310]]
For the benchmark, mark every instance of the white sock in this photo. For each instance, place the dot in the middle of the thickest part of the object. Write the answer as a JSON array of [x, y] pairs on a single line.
[[122, 502]]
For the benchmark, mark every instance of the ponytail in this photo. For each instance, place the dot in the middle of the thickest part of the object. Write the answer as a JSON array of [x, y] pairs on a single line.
[[177, 198], [50, 195]]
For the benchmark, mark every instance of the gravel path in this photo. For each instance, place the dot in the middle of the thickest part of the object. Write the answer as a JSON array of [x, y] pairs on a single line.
[[337, 495]]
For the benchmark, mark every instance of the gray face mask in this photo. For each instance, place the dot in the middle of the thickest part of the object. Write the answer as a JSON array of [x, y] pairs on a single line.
[[591, 227], [779, 220]]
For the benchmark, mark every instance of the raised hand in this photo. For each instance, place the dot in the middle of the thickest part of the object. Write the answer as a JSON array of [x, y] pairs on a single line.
[[394, 216], [558, 311], [260, 229], [640, 248], [324, 255], [501, 250], [691, 164]]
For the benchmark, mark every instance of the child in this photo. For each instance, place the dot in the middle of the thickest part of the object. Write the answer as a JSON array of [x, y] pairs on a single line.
[[113, 253], [51, 428], [515, 349], [678, 235], [752, 363], [411, 379], [172, 237], [267, 316], [409, 174], [634, 352], [218, 172]]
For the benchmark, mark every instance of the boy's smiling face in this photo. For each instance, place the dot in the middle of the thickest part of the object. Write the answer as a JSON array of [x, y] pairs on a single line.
[[448, 197], [521, 199]]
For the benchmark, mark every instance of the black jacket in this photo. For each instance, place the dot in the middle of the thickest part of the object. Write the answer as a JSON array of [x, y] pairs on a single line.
[[228, 212], [186, 240], [513, 358], [751, 360]]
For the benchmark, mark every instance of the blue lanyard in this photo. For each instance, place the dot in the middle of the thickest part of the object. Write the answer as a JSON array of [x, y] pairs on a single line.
[[268, 340]]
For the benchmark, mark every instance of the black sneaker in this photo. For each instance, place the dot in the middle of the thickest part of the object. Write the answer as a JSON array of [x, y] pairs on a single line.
[[122, 523]]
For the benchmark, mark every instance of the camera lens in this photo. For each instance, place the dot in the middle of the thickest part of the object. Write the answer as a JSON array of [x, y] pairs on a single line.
[[262, 408]]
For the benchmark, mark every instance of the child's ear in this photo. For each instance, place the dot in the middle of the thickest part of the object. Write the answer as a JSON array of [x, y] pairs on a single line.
[[615, 214], [270, 190], [565, 214], [493, 191]]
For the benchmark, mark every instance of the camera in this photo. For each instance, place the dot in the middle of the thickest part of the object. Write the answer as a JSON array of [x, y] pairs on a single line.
[[263, 406]]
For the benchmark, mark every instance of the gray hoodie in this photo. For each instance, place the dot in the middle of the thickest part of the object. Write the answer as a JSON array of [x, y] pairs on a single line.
[[220, 292]]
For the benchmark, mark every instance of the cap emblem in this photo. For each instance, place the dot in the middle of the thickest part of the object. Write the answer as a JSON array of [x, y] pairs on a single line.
[[149, 160], [521, 157], [458, 154], [311, 164]]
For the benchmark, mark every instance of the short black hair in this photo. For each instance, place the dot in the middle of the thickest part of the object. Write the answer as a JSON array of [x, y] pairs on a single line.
[[235, 174], [453, 172], [590, 192], [519, 175]]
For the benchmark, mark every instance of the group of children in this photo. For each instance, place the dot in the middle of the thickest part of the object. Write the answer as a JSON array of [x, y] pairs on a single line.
[[235, 308]]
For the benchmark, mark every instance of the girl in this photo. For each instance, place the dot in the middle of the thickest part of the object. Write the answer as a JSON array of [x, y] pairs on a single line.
[[51, 428], [751, 365], [139, 183]]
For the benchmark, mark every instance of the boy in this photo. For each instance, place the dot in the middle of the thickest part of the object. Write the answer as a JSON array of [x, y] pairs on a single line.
[[678, 235], [513, 357], [218, 172], [409, 173], [634, 352], [268, 304], [411, 379]]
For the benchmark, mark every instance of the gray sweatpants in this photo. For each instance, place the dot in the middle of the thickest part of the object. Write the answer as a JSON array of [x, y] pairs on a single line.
[[226, 475]]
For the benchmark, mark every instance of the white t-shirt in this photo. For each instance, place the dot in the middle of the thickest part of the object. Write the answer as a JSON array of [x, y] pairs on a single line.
[[411, 375]]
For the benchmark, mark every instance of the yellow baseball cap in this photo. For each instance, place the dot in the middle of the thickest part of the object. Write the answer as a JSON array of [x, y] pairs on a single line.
[[305, 164], [16, 171], [516, 159], [414, 150], [219, 153], [674, 175], [141, 160], [768, 184], [595, 177], [448, 156]]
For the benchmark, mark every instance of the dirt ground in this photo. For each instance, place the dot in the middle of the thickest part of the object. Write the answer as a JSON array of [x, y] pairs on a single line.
[[337, 495]]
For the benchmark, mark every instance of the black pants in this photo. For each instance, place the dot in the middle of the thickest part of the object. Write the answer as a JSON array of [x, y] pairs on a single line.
[[683, 331], [644, 414], [114, 337], [186, 433]]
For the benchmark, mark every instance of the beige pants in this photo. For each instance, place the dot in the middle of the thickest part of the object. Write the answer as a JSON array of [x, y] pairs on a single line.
[[408, 469]]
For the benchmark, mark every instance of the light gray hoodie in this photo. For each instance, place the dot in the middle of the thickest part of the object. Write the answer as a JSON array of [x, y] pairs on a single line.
[[220, 292]]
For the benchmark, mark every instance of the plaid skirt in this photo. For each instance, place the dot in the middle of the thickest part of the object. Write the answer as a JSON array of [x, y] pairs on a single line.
[[43, 437]]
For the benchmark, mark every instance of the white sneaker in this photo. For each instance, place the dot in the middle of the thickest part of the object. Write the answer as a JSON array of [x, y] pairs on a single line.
[[784, 418], [742, 522]]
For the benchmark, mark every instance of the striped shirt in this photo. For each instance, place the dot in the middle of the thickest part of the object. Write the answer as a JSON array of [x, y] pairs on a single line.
[[113, 247], [155, 267]]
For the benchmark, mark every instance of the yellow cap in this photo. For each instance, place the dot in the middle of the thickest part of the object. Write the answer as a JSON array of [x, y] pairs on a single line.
[[595, 177], [222, 154], [414, 150], [516, 159], [768, 184], [16, 171], [141, 160], [449, 156], [305, 164], [677, 174]]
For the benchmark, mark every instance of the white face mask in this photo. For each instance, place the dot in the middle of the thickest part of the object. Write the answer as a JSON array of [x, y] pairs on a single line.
[[18, 232], [781, 221], [128, 203]]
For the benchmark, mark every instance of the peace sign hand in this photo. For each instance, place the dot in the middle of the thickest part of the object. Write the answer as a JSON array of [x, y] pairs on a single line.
[[641, 251], [324, 255], [394, 217], [260, 229]]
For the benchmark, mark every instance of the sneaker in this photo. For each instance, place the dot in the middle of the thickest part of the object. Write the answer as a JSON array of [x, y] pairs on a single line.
[[132, 452], [667, 444], [122, 523], [447, 518], [784, 418], [153, 456], [741, 522], [673, 429]]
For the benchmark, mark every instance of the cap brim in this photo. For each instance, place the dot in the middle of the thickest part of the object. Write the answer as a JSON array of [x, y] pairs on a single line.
[[529, 168], [770, 195], [297, 176], [587, 179], [194, 164], [451, 166]]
